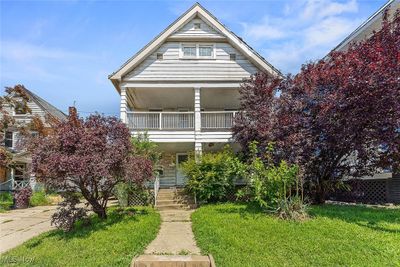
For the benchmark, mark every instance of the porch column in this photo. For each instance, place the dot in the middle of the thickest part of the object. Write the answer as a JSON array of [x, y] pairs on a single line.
[[12, 177], [123, 106], [197, 122]]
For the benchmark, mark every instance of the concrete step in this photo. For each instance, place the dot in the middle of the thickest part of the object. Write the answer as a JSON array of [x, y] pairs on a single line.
[[172, 207], [166, 202], [173, 261]]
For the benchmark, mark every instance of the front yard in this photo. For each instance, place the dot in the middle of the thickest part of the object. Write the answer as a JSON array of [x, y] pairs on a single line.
[[240, 235], [113, 242]]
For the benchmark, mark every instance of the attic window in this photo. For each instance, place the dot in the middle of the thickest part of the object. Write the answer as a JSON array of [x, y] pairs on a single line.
[[197, 26], [232, 57], [160, 56]]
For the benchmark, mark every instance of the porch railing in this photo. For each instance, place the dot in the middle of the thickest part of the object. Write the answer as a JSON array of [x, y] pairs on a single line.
[[217, 119], [160, 120], [210, 120]]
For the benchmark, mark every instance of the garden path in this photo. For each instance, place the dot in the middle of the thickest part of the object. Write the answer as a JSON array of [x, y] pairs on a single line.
[[175, 236]]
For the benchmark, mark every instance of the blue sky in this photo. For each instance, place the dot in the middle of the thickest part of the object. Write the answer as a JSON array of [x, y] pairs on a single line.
[[64, 50]]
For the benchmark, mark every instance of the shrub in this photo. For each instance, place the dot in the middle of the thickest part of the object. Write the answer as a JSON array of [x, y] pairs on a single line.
[[22, 197], [68, 213], [6, 201], [39, 198], [274, 187], [213, 175]]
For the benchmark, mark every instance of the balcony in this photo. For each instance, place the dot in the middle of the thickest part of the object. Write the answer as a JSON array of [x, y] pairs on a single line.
[[210, 120]]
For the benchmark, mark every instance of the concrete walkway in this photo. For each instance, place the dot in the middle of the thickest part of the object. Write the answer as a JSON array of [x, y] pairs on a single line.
[[17, 226], [175, 235]]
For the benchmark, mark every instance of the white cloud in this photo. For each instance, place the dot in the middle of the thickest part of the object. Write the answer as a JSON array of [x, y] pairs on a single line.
[[265, 30], [22, 51], [325, 8], [306, 30]]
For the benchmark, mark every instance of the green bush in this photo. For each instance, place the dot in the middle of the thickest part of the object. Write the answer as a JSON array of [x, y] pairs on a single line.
[[275, 187], [6, 201], [39, 198], [213, 175]]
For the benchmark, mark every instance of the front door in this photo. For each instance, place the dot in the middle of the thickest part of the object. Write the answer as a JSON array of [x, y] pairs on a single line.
[[180, 176]]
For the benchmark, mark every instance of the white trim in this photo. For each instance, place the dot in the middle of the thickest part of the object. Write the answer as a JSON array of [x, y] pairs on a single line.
[[195, 10]]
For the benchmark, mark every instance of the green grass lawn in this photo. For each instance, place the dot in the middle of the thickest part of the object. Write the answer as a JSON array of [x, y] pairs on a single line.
[[240, 235], [113, 242]]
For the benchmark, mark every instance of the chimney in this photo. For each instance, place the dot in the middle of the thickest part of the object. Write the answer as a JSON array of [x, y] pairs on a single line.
[[72, 111]]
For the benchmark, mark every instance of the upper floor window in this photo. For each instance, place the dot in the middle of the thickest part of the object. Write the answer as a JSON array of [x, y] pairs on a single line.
[[20, 108], [8, 140], [189, 50], [205, 51]]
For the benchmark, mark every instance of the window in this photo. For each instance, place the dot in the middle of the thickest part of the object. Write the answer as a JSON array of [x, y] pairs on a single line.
[[189, 51], [8, 142], [160, 56], [197, 26], [206, 51], [20, 108], [232, 57]]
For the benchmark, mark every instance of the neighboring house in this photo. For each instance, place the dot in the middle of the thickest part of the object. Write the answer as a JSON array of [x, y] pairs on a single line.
[[18, 176], [182, 88], [384, 186]]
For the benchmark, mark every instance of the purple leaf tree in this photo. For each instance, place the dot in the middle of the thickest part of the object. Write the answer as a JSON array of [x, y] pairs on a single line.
[[89, 156]]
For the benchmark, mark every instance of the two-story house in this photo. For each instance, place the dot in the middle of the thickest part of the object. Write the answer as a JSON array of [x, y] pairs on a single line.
[[182, 88], [18, 175]]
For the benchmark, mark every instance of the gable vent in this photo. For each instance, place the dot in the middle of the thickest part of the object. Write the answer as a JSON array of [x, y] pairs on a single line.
[[197, 26]]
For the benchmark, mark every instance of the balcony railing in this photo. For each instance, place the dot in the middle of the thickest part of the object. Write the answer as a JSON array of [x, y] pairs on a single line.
[[217, 119], [210, 120], [160, 120]]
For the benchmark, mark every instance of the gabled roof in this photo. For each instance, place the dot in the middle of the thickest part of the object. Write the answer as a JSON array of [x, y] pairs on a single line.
[[370, 21], [46, 106], [195, 10]]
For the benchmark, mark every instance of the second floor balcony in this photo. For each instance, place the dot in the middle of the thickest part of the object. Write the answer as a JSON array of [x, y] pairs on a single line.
[[166, 120]]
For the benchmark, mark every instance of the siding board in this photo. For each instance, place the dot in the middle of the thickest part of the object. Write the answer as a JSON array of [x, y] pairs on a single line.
[[173, 68]]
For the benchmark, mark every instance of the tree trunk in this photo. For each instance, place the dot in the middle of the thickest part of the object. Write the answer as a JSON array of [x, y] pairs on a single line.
[[320, 195]]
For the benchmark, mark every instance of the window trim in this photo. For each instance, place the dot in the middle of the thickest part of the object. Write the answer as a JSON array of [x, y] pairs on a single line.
[[197, 45]]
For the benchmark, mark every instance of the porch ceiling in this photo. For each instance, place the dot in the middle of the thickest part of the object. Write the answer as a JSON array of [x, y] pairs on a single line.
[[176, 98]]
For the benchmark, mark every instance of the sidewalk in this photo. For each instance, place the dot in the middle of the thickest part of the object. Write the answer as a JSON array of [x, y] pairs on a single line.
[[175, 235], [17, 226]]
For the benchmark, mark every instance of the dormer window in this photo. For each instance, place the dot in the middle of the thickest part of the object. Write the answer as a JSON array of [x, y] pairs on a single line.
[[199, 51], [197, 26]]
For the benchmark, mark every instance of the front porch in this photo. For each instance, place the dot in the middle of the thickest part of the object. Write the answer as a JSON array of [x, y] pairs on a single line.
[[174, 154]]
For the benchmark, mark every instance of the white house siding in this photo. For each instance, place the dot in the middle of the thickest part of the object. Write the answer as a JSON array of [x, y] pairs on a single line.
[[189, 31], [172, 68]]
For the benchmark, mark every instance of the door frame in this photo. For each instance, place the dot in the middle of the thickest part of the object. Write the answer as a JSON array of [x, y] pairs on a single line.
[[177, 165]]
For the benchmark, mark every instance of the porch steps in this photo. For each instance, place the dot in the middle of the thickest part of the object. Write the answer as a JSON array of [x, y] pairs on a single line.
[[173, 199], [173, 261]]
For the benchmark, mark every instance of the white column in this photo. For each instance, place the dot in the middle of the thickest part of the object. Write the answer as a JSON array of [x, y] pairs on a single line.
[[197, 122], [123, 106], [12, 178]]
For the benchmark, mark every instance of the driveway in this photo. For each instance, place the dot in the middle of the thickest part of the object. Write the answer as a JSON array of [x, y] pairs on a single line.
[[17, 226]]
